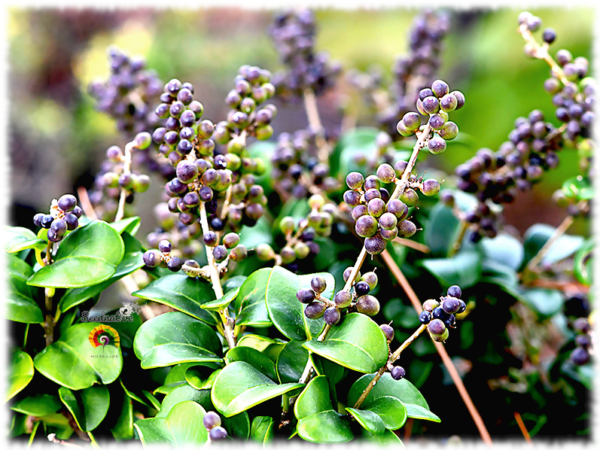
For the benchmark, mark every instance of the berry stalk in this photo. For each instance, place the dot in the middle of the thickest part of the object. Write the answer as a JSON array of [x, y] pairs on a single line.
[[312, 112], [49, 322], [393, 357], [126, 170], [541, 52], [216, 279]]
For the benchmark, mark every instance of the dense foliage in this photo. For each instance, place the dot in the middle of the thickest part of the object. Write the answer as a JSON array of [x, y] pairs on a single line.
[[253, 320]]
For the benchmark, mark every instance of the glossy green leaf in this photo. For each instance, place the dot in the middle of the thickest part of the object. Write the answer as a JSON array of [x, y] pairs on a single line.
[[183, 293], [260, 233], [223, 302], [175, 338], [291, 362], [181, 428], [496, 273], [262, 429], [357, 343], [285, 311], [123, 427], [16, 239], [21, 305], [385, 439], [240, 386], [503, 249], [250, 305], [463, 269], [88, 406], [256, 341], [131, 395], [403, 390], [87, 256], [545, 302], [21, 373], [132, 260], [390, 410], [129, 225], [325, 427], [314, 398], [40, 405], [201, 377], [259, 361], [87, 365], [183, 393], [537, 235], [583, 263], [578, 188], [368, 420], [153, 399]]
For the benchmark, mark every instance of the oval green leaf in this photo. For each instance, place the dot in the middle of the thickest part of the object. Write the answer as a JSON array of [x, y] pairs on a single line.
[[325, 427], [223, 302], [256, 359], [262, 429], [240, 386], [250, 304], [40, 405], [175, 338], [87, 256], [368, 420], [21, 305], [183, 293], [358, 344], [87, 365], [88, 407], [21, 373]]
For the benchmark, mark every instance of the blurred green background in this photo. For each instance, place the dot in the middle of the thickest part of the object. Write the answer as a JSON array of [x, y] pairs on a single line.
[[58, 140]]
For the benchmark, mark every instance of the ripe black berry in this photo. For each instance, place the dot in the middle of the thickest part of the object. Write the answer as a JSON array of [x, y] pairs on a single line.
[[398, 373], [425, 317], [306, 295], [331, 316], [388, 331]]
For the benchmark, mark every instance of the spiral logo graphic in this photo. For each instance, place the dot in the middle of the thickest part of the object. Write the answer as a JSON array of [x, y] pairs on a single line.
[[104, 335]]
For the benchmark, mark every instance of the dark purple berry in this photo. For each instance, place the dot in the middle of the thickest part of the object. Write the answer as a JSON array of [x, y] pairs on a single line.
[[398, 373]]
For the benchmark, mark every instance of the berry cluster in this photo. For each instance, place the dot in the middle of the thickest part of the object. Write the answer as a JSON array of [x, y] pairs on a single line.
[[129, 93], [379, 219], [440, 316], [64, 215], [435, 102], [297, 167], [212, 422], [252, 88], [499, 176], [300, 240], [293, 33], [230, 249], [358, 299], [583, 341], [183, 237]]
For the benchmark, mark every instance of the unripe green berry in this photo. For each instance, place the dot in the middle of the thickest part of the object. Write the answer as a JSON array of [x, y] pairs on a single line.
[[302, 250], [430, 187], [386, 173], [406, 229], [448, 132], [230, 240], [316, 201], [286, 225], [370, 278], [411, 121], [448, 103], [409, 197], [367, 304], [263, 133], [264, 252], [288, 255], [430, 305], [389, 235], [403, 130], [436, 144]]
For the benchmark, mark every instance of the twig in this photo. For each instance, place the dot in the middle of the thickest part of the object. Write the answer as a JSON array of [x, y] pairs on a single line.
[[412, 244], [48, 257], [312, 112], [408, 429], [562, 228], [522, 427], [86, 205], [49, 322], [440, 349], [52, 438], [216, 279], [393, 357], [541, 52], [126, 170], [464, 226]]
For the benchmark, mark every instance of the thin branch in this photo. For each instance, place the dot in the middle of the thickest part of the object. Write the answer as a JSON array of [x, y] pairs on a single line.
[[464, 226], [49, 322], [391, 360], [389, 261], [312, 112], [86, 205], [126, 170], [412, 244], [522, 427], [216, 279], [562, 228], [541, 52]]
